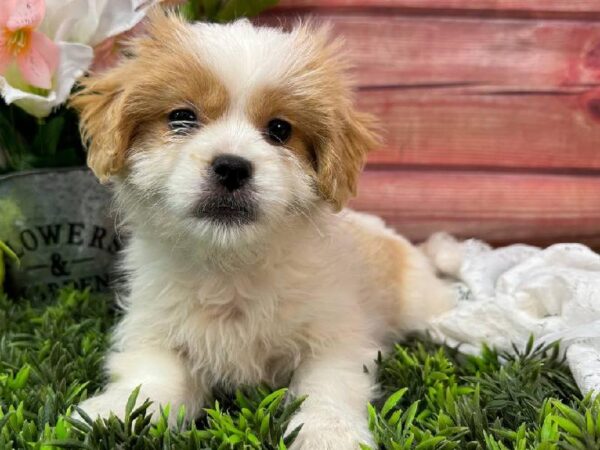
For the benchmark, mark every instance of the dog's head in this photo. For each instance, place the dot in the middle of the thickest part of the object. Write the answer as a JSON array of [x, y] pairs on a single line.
[[225, 131]]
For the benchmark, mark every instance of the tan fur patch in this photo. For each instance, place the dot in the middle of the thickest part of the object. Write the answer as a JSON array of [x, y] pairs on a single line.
[[270, 103], [131, 102], [388, 260], [316, 98]]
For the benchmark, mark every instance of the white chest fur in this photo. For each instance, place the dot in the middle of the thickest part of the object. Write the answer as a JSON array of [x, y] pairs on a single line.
[[242, 326]]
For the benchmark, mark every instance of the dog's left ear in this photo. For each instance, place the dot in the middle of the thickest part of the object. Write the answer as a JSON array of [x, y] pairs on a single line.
[[345, 134], [341, 158]]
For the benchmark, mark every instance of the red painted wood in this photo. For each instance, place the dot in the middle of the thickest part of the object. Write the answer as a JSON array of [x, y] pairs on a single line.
[[454, 127], [466, 92], [491, 111], [541, 6], [429, 51], [500, 208]]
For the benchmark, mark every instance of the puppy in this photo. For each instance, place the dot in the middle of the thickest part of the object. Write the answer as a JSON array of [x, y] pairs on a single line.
[[232, 150]]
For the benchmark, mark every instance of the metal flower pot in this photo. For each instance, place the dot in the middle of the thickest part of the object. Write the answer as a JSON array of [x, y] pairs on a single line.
[[58, 223]]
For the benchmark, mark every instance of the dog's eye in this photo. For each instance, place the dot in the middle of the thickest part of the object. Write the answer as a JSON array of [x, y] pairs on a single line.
[[278, 131], [182, 119]]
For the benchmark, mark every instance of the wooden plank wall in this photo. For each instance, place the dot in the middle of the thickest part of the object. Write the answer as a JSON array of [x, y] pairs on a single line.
[[491, 110]]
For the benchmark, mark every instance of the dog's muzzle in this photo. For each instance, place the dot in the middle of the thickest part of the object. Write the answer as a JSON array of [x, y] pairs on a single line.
[[230, 200]]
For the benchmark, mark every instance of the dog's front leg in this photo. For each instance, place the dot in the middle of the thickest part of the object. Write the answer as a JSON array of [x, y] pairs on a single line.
[[162, 375], [334, 416]]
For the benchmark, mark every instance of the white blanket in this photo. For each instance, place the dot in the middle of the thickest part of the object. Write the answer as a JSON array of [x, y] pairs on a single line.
[[510, 293]]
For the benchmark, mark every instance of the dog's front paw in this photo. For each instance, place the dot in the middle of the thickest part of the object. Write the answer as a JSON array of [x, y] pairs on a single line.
[[327, 430], [112, 401]]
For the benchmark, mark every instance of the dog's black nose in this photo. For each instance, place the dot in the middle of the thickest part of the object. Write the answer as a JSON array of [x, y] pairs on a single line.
[[232, 171]]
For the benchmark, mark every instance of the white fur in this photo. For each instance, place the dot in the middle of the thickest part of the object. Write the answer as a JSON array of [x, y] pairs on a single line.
[[290, 294]]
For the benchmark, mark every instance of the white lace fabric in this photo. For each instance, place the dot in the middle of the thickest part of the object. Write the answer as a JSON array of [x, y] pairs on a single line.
[[508, 294]]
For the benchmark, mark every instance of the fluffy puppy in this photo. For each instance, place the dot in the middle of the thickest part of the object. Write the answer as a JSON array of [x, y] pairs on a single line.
[[232, 150]]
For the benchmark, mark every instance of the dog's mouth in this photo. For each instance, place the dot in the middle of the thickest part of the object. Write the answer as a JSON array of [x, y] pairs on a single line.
[[227, 210]]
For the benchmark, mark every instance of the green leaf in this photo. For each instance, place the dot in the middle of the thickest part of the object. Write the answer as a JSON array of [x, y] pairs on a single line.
[[571, 414], [430, 443], [568, 426], [264, 426], [48, 136], [67, 443], [5, 250], [549, 429], [20, 379], [273, 398], [589, 423], [392, 401], [253, 440], [131, 403], [291, 437], [410, 414], [8, 252]]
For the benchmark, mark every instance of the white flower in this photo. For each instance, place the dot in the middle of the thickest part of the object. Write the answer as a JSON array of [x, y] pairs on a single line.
[[76, 26], [91, 21]]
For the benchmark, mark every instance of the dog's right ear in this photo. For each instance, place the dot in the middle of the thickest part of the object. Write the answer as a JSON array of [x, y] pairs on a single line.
[[108, 113], [104, 130]]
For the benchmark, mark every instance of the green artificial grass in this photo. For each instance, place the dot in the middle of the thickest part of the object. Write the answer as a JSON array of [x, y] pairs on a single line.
[[432, 397]]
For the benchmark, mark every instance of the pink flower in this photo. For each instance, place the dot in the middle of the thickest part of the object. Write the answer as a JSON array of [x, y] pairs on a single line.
[[108, 52], [35, 54]]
